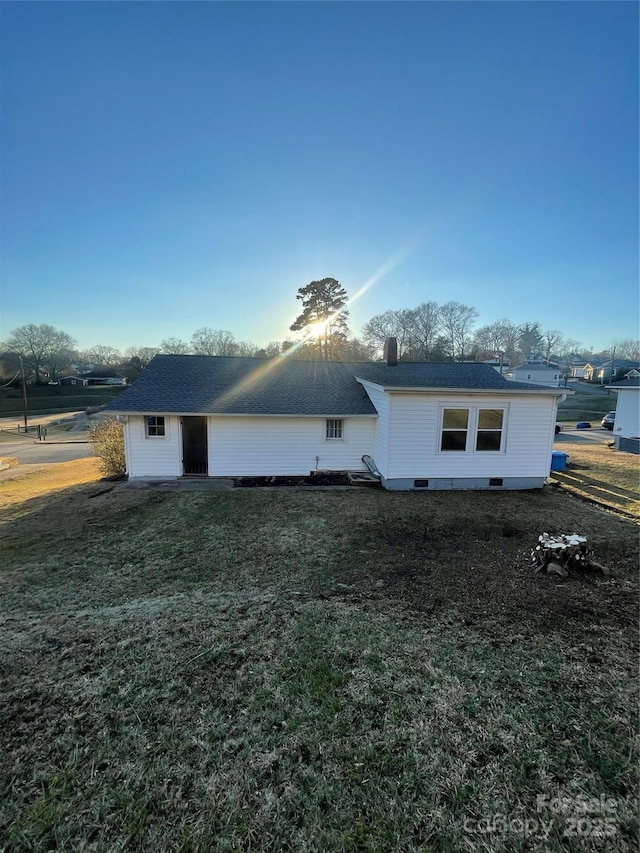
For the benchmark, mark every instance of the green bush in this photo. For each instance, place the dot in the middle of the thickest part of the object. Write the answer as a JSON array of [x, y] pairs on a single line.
[[107, 441]]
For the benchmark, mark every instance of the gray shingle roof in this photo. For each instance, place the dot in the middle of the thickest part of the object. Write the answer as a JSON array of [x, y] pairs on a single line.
[[631, 382], [253, 386], [468, 375]]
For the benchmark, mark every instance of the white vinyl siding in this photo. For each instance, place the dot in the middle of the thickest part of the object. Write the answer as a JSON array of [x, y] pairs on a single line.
[[159, 456], [627, 422], [541, 375], [382, 402], [415, 430], [285, 446]]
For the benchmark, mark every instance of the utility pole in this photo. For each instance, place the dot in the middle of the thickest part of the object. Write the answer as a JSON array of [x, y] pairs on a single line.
[[24, 392]]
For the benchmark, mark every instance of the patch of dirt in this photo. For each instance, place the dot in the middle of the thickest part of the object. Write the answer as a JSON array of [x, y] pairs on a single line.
[[484, 574], [321, 478]]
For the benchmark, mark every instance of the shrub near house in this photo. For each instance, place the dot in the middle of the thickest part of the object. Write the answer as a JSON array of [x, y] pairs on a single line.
[[107, 442]]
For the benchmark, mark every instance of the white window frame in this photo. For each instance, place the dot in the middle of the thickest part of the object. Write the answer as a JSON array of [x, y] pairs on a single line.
[[148, 426], [472, 428], [478, 429], [466, 429], [338, 426]]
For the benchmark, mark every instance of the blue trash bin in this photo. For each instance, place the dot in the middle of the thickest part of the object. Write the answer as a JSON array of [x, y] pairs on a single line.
[[559, 460]]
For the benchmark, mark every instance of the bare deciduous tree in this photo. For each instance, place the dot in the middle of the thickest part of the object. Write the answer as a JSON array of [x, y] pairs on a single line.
[[246, 348], [102, 355], [208, 341], [43, 348], [390, 324], [551, 340], [174, 346], [627, 348], [425, 325], [498, 339], [457, 321]]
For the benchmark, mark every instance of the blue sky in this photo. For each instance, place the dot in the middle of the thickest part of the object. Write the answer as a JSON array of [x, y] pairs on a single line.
[[167, 166]]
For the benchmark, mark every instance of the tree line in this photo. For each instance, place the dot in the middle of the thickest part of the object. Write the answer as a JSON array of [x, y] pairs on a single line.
[[428, 332]]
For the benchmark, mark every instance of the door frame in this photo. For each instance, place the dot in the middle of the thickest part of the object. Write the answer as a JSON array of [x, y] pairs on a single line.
[[206, 444]]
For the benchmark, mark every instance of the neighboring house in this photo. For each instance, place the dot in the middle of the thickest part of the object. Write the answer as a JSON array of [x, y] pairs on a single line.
[[104, 377], [626, 429], [574, 364], [577, 370], [501, 367], [609, 371], [73, 380], [536, 374], [432, 426]]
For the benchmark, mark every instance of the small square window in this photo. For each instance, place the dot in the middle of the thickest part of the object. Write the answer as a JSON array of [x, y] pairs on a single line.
[[154, 426], [334, 429]]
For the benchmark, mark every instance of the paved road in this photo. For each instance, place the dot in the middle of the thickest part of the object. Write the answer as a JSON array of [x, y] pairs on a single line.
[[28, 453], [44, 420], [577, 436]]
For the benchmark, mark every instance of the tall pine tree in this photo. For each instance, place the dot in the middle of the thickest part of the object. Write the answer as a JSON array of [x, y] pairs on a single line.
[[324, 318]]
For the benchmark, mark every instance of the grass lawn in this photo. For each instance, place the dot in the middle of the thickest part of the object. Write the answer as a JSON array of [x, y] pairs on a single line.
[[586, 406], [19, 487], [603, 473], [294, 670], [43, 399]]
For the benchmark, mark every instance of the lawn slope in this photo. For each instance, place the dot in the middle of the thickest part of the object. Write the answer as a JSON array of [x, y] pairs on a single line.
[[318, 671]]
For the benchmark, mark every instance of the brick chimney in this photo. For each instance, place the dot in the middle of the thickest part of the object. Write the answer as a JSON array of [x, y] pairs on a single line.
[[390, 352]]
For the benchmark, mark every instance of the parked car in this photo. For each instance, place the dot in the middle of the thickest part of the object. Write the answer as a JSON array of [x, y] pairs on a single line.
[[558, 428], [609, 420]]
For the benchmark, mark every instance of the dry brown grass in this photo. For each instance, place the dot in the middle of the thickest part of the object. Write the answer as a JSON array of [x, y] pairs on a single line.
[[603, 474], [18, 486]]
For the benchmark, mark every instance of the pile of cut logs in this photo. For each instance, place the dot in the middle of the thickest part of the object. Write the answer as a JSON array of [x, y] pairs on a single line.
[[557, 554]]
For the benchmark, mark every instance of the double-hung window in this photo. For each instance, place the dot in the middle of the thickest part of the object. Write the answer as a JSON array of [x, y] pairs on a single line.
[[334, 429], [455, 427], [472, 429], [154, 426], [489, 432]]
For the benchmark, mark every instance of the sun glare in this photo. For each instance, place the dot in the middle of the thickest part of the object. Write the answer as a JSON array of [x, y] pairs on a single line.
[[314, 330]]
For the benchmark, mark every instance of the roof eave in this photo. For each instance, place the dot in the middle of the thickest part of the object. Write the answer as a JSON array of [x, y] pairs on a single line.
[[558, 392], [163, 411]]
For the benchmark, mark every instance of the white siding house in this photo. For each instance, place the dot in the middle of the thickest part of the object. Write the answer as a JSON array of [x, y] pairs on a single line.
[[626, 428], [240, 446], [261, 446], [152, 457], [426, 426], [411, 431], [536, 374]]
